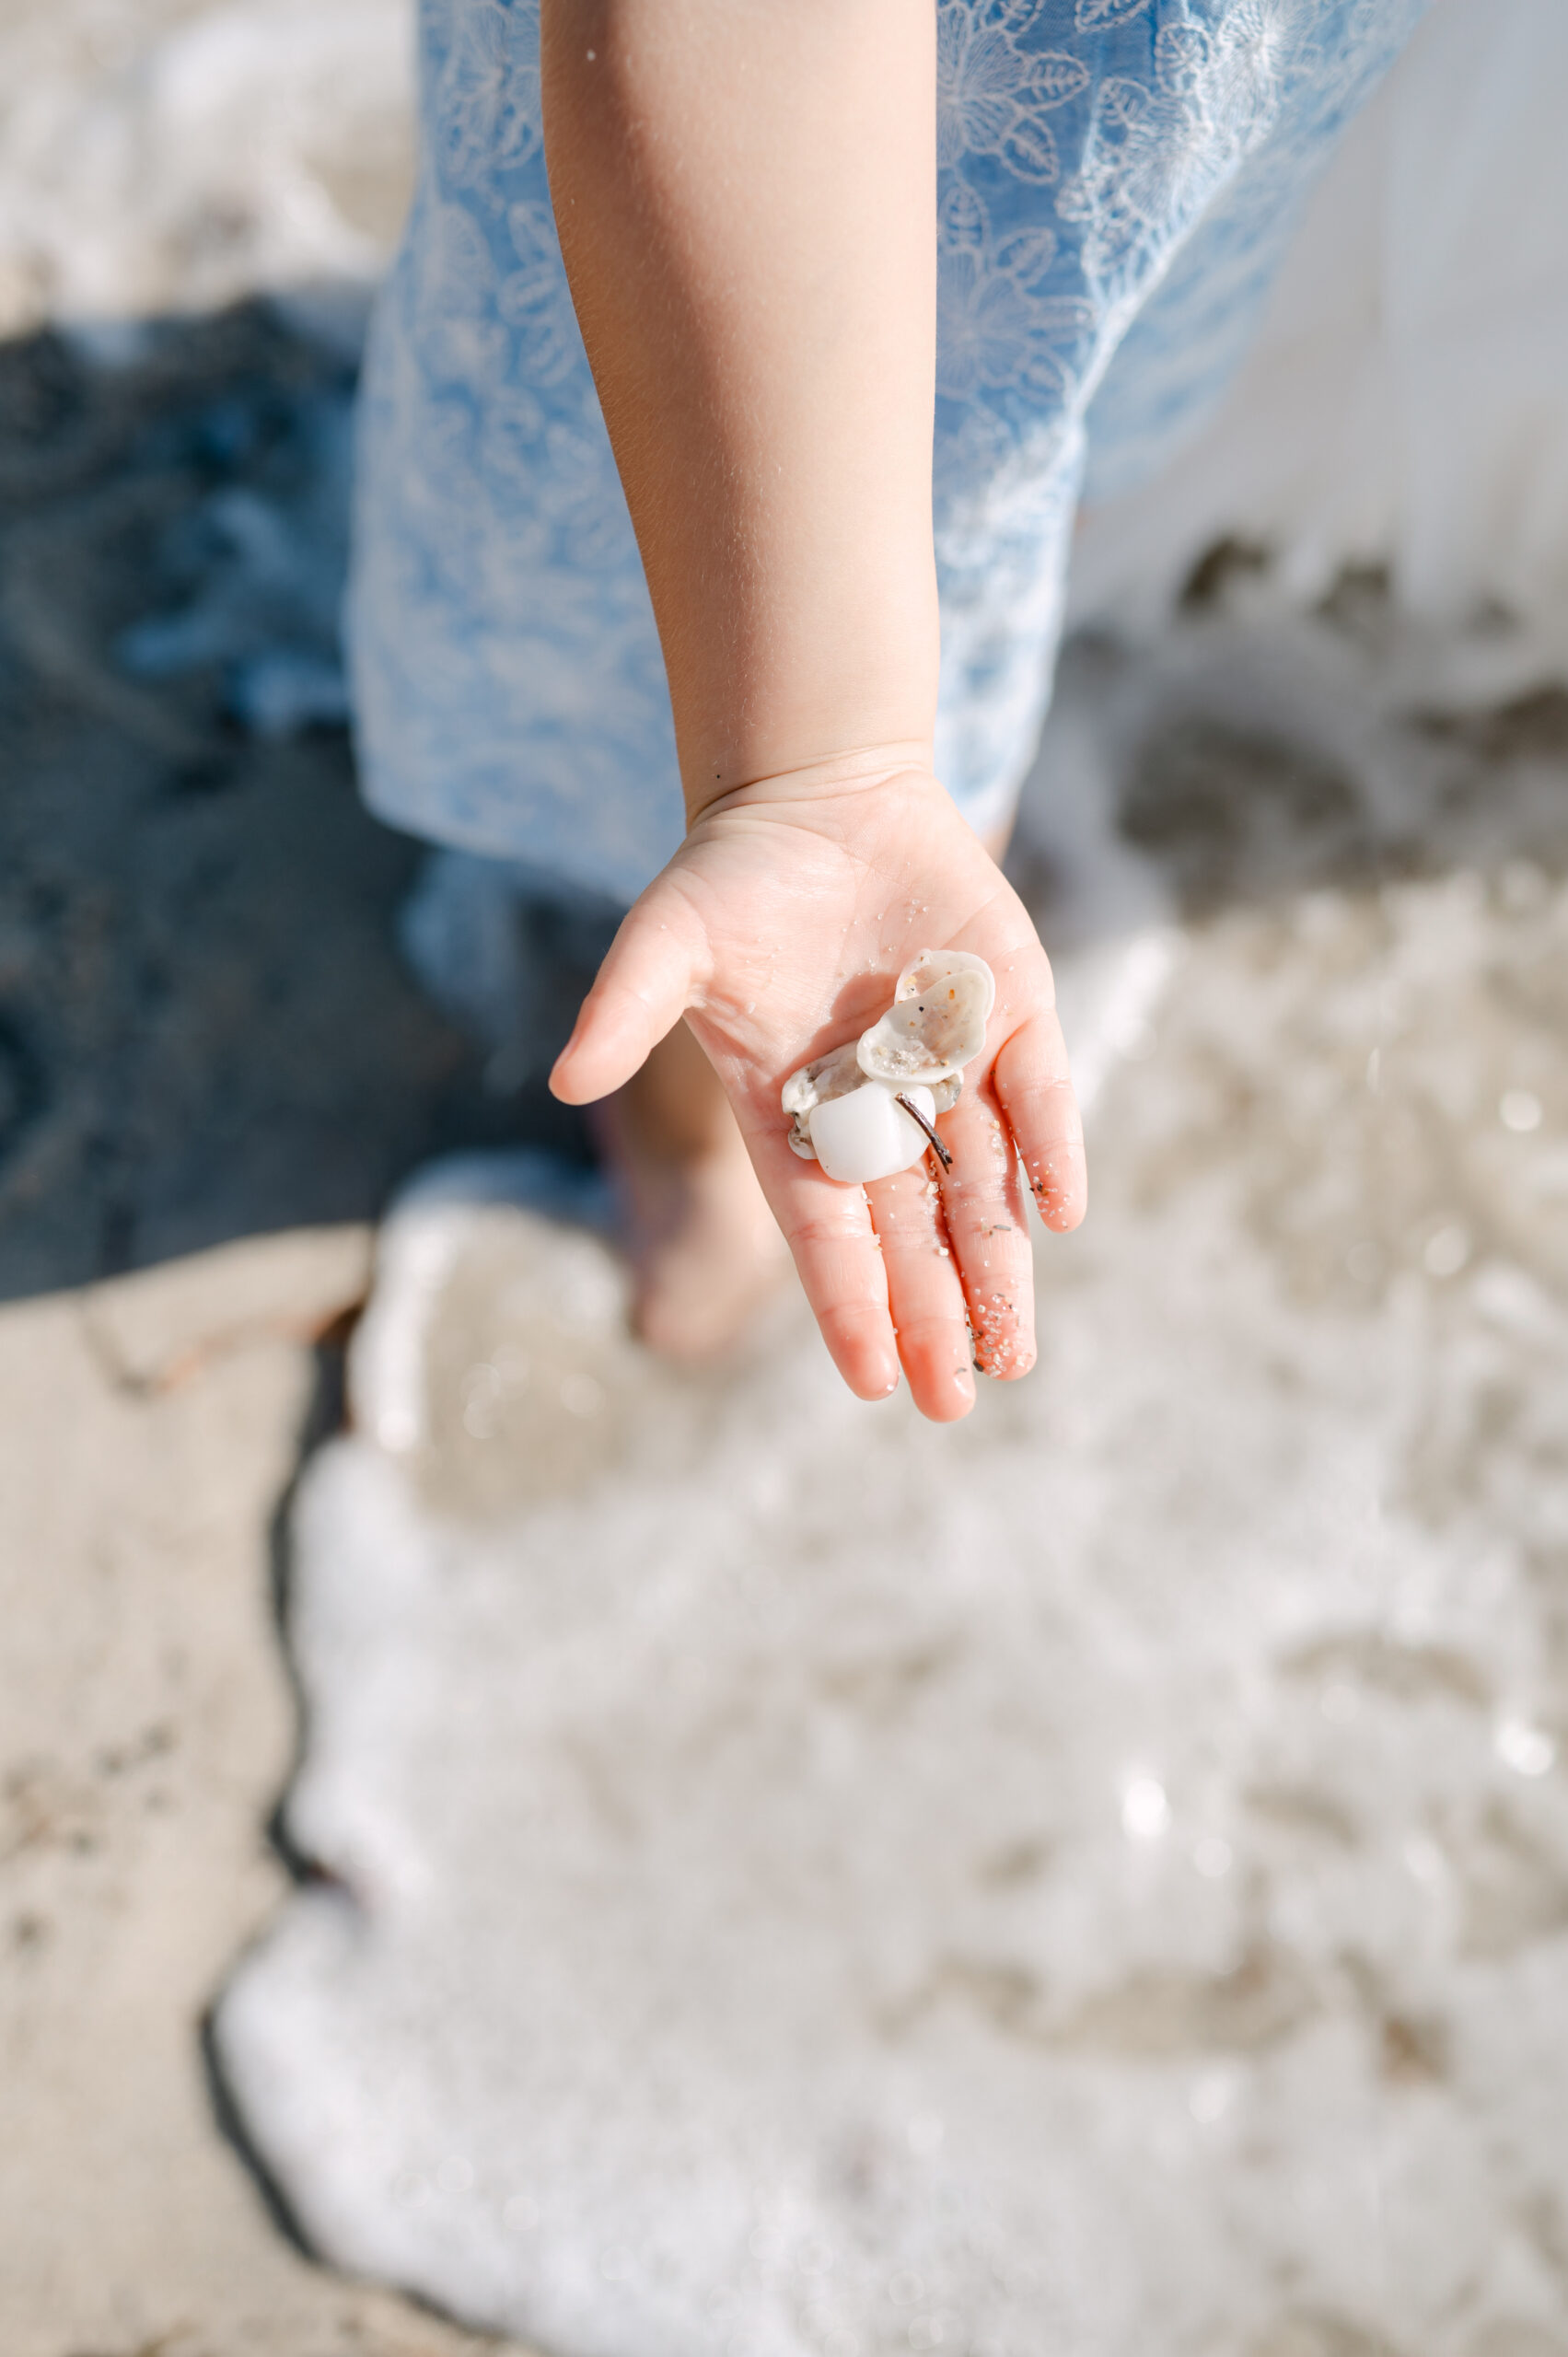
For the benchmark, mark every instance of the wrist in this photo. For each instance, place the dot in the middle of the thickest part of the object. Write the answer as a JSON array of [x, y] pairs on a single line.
[[817, 692], [845, 774]]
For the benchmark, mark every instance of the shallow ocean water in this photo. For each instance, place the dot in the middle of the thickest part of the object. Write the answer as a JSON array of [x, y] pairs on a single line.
[[1093, 1879]]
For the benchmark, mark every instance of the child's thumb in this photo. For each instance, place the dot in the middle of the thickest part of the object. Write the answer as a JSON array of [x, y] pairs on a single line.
[[643, 988]]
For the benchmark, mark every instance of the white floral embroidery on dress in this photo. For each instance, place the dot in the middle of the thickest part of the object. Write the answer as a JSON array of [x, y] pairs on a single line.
[[991, 95], [1117, 179]]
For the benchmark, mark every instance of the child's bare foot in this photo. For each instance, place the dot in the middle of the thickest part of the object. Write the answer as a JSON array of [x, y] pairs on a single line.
[[705, 1248]]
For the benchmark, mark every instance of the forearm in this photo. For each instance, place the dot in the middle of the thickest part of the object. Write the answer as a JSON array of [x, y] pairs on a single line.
[[745, 194]]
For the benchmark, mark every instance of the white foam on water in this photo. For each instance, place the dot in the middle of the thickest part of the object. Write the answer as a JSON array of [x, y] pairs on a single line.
[[1092, 1880], [159, 156]]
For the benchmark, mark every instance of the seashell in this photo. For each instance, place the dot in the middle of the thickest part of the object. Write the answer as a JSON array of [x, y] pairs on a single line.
[[844, 1110], [817, 1083], [867, 1134], [935, 1023]]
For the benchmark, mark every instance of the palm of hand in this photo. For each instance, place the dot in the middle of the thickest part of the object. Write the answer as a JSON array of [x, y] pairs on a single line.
[[779, 929]]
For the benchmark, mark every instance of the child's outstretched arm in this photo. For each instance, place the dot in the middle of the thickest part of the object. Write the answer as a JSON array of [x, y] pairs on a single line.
[[746, 197]]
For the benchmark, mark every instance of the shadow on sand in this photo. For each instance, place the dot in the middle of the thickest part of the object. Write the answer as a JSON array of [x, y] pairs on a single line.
[[205, 1027]]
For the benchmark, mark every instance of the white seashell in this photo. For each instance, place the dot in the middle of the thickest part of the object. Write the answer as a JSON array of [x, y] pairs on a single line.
[[843, 1111], [867, 1134], [817, 1083], [935, 1024]]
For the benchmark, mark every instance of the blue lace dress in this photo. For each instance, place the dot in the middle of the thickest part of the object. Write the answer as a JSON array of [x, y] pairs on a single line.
[[1118, 180]]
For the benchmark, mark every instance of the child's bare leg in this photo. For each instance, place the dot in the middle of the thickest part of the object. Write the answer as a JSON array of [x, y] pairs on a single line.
[[704, 1245]]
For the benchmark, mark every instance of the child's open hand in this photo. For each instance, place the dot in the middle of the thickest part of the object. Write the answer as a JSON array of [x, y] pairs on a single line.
[[779, 929]]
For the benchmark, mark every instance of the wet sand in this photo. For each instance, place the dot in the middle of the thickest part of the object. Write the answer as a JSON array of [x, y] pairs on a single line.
[[213, 1068]]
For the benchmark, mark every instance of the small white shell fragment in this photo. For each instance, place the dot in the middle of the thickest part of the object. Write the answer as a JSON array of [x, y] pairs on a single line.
[[935, 1023], [817, 1083], [867, 1134]]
